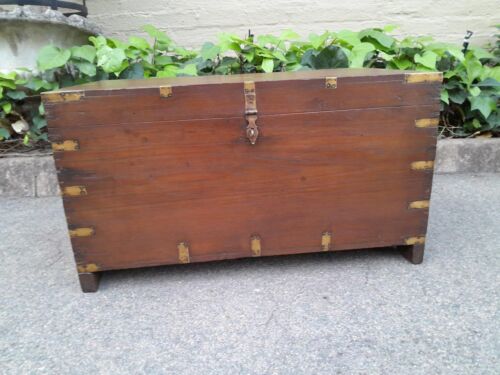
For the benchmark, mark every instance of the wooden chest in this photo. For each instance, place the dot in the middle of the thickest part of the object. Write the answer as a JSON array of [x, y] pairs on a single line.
[[194, 169]]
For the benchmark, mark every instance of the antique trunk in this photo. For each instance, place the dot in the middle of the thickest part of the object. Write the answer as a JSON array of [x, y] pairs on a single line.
[[195, 169]]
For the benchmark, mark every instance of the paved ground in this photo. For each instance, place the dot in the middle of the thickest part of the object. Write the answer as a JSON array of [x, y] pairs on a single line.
[[352, 313]]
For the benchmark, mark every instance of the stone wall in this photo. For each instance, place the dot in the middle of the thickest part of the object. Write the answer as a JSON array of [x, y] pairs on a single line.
[[190, 23]]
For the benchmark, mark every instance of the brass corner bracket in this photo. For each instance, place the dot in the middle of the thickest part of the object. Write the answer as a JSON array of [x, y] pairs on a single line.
[[59, 97], [422, 165], [331, 82], [165, 91], [419, 204], [427, 122], [81, 232], [68, 145], [255, 245], [73, 191], [326, 241], [418, 240], [423, 77], [183, 250]]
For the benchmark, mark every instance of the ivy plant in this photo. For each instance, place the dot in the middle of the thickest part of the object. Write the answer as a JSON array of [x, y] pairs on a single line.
[[469, 96]]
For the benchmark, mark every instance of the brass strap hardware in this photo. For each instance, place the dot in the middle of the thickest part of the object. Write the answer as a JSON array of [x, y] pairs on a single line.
[[255, 245], [326, 241], [58, 97], [74, 191], [422, 165], [331, 82], [86, 268], [165, 91], [423, 77], [252, 129], [81, 232], [427, 122], [183, 249], [419, 204], [419, 240], [69, 145]]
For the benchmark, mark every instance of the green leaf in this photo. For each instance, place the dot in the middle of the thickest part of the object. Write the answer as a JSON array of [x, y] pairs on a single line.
[[389, 28], [4, 133], [473, 67], [41, 109], [428, 59], [16, 95], [474, 91], [139, 43], [488, 82], [209, 51], [349, 37], [188, 70], [110, 59], [163, 60], [483, 104], [8, 76], [39, 122], [157, 34], [457, 96], [318, 40], [7, 107], [98, 41], [86, 53], [8, 84], [289, 35], [481, 53], [383, 39], [86, 68], [358, 54], [330, 57], [267, 65], [444, 96], [26, 139], [51, 57], [168, 71]]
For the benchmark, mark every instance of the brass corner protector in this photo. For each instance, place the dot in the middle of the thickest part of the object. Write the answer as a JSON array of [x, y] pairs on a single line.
[[326, 241], [427, 122], [59, 97], [419, 204], [73, 191], [423, 77], [418, 240], [81, 232], [68, 145], [331, 82], [255, 245], [165, 91], [422, 165], [87, 268], [183, 249]]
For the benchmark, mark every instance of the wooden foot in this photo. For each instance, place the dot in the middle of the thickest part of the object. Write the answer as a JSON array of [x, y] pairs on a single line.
[[89, 281], [413, 253]]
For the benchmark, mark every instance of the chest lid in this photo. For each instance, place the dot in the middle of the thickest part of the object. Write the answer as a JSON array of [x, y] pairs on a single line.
[[187, 98]]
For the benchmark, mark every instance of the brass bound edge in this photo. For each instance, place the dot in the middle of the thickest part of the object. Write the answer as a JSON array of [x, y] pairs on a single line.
[[81, 232], [74, 191], [423, 77], [427, 122], [87, 268], [59, 97], [331, 82], [183, 249], [255, 245], [422, 165], [68, 145], [326, 241], [419, 204], [165, 91], [418, 240]]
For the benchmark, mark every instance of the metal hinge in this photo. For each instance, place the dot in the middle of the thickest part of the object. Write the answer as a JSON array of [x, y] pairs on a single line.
[[255, 245], [165, 91], [87, 268], [427, 122], [419, 204], [81, 232], [422, 165], [74, 191], [418, 240], [423, 77], [326, 241], [331, 82]]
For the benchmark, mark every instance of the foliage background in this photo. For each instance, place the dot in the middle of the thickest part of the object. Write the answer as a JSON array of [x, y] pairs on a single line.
[[469, 96]]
